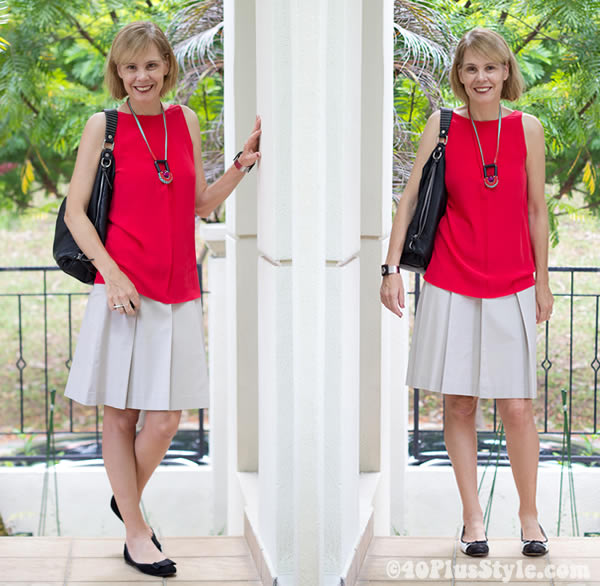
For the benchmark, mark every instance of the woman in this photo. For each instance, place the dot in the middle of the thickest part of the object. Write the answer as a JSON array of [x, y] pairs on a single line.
[[474, 332], [141, 344]]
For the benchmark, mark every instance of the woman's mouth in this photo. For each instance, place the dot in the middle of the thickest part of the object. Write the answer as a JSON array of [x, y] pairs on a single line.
[[142, 88]]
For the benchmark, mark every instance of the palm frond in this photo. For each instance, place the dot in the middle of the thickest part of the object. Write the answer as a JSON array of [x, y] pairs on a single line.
[[200, 48]]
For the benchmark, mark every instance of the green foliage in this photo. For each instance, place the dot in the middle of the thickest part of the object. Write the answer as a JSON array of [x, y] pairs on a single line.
[[51, 81], [557, 49]]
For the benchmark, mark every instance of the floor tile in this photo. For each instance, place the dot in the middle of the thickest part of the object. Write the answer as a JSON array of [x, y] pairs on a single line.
[[39, 547], [105, 570], [33, 569], [204, 546], [576, 568], [411, 546], [92, 548], [575, 547], [217, 568]]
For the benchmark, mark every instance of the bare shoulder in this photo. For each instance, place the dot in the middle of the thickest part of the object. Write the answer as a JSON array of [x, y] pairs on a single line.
[[92, 138], [189, 114], [95, 126], [532, 126]]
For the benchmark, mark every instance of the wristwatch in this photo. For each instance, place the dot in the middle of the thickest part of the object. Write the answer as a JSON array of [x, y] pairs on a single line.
[[239, 166], [389, 270]]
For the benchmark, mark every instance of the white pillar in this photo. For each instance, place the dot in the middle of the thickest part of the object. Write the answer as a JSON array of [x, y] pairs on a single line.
[[308, 88], [383, 339], [216, 303], [240, 111]]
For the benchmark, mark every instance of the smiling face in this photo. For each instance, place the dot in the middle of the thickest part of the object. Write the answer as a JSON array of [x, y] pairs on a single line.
[[143, 74], [481, 77]]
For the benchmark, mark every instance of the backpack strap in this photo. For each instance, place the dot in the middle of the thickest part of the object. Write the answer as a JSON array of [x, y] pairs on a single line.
[[445, 119], [111, 126]]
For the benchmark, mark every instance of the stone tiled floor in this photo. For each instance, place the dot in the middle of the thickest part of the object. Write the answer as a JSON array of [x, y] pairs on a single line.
[[60, 561], [422, 560], [226, 561]]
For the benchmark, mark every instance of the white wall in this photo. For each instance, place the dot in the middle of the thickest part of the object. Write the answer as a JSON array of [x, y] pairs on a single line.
[[178, 502], [433, 504]]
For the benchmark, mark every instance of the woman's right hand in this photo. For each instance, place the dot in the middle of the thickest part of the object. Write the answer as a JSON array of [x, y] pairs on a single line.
[[120, 291], [392, 293]]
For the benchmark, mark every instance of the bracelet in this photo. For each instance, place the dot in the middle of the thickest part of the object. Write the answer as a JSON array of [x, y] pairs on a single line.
[[389, 269], [239, 166]]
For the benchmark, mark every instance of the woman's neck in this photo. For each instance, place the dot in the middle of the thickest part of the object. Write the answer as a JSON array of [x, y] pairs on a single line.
[[484, 111], [145, 109]]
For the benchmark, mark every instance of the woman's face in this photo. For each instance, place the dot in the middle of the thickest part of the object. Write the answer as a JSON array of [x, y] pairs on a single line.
[[143, 76], [483, 78]]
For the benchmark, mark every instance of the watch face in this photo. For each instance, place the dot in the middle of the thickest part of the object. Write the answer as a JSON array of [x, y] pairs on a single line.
[[384, 270]]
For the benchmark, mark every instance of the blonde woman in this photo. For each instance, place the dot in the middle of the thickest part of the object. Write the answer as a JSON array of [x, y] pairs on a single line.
[[141, 343], [487, 284]]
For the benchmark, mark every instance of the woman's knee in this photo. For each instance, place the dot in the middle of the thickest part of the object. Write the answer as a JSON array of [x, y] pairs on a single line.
[[163, 424], [459, 406], [515, 411], [124, 420]]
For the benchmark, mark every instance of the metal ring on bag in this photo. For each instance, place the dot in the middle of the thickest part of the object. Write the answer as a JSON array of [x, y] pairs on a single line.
[[437, 151], [105, 159]]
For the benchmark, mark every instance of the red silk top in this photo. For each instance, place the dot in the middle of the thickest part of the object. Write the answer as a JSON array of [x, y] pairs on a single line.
[[482, 246], [151, 226]]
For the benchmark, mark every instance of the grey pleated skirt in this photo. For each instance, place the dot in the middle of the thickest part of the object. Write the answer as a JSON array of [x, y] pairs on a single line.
[[476, 347], [153, 361]]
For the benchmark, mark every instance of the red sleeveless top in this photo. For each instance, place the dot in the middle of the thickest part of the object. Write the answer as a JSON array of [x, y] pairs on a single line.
[[151, 226], [482, 246]]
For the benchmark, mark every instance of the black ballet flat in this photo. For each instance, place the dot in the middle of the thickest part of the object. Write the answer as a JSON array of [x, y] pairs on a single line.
[[115, 510], [163, 569], [477, 549], [535, 547]]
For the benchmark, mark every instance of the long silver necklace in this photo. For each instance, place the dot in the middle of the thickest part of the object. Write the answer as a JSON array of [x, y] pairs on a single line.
[[490, 172], [165, 174]]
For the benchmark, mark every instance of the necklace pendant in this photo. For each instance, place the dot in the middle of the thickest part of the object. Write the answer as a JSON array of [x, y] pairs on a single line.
[[490, 175], [165, 174]]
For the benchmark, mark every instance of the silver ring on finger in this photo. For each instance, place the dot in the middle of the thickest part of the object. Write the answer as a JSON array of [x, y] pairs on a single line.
[[117, 306]]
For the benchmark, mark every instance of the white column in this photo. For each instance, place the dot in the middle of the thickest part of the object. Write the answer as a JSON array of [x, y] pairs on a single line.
[[241, 257], [240, 111], [308, 88], [216, 303], [383, 404]]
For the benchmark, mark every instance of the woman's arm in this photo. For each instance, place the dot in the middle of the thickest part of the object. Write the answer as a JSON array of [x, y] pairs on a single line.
[[119, 289], [208, 197], [538, 213], [392, 288]]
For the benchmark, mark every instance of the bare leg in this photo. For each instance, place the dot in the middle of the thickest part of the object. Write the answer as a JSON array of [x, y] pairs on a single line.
[[118, 440], [153, 442], [460, 436], [523, 447]]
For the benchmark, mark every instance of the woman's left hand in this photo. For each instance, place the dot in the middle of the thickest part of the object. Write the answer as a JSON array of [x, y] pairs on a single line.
[[250, 153], [544, 300]]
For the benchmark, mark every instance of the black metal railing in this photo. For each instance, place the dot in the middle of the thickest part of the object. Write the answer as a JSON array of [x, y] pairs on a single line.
[[568, 357], [40, 309]]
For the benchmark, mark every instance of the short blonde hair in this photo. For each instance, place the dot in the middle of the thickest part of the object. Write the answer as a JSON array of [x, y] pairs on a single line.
[[493, 46], [131, 40]]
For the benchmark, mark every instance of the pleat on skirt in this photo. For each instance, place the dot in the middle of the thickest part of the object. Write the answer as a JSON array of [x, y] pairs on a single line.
[[476, 347], [154, 360]]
